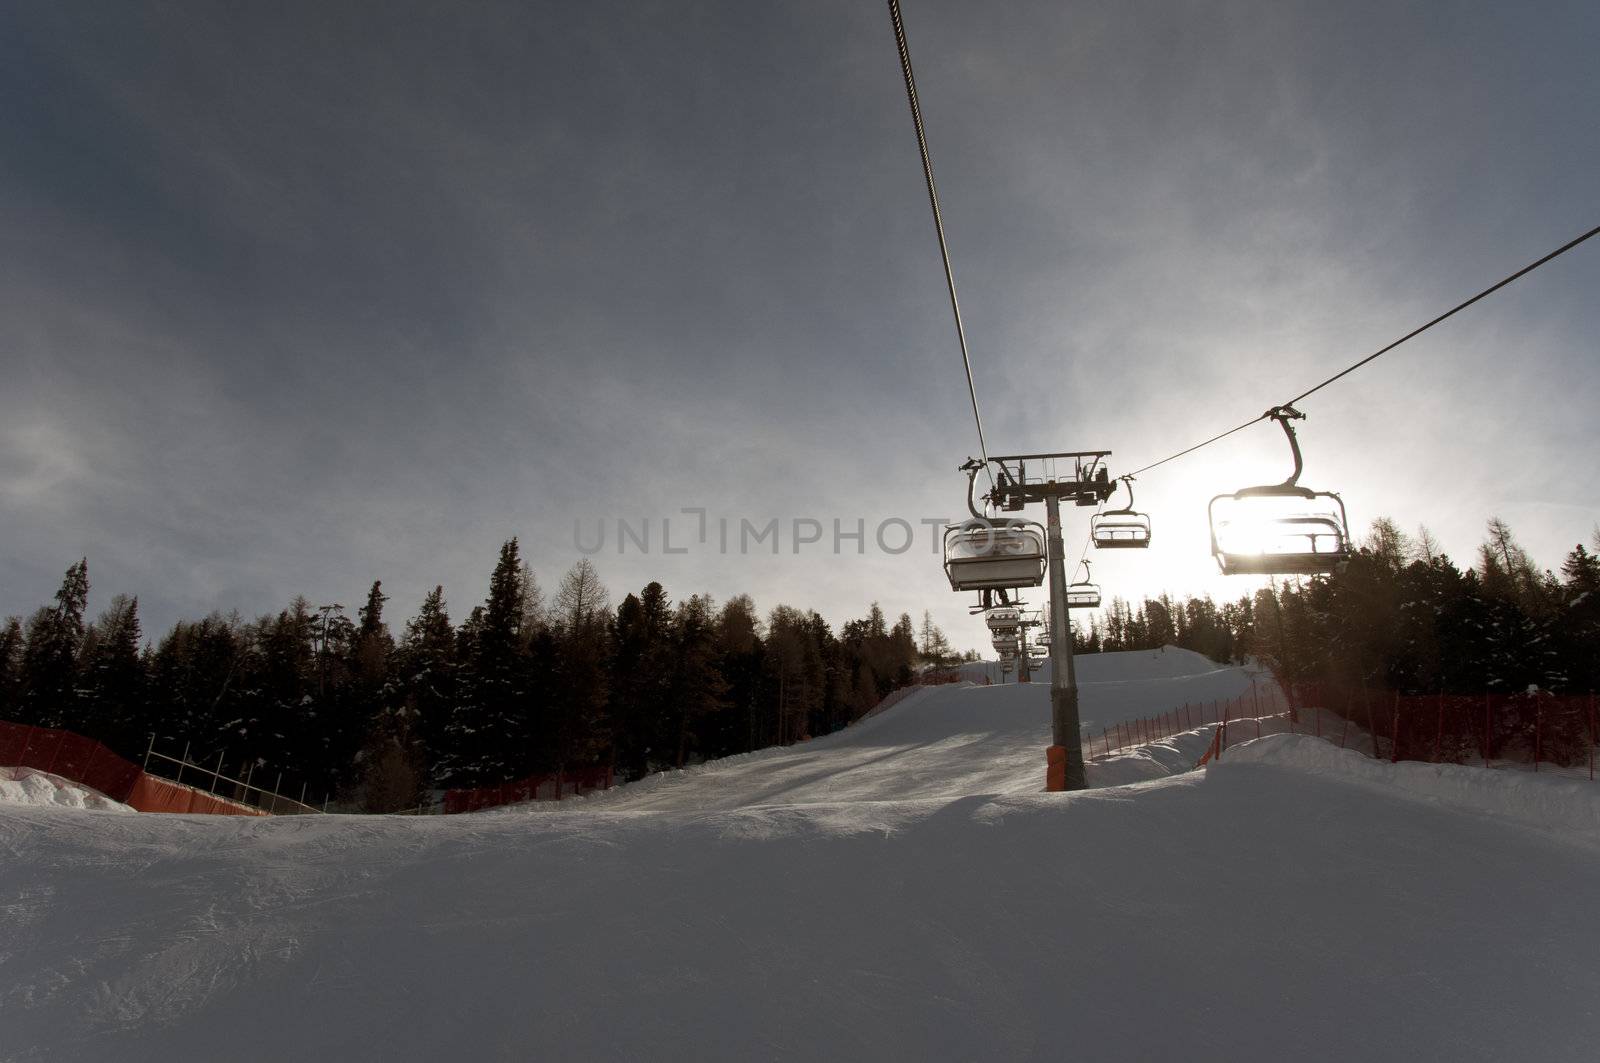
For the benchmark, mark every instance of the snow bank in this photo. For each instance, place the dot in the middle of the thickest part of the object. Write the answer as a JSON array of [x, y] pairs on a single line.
[[28, 786], [1544, 801]]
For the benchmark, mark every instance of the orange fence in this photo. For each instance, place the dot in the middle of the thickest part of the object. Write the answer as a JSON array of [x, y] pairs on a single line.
[[533, 788], [1549, 732], [1262, 700], [83, 760], [1554, 733], [90, 764], [154, 794]]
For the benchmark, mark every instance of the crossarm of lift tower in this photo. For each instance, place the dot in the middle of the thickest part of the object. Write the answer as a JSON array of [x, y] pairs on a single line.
[[1079, 476]]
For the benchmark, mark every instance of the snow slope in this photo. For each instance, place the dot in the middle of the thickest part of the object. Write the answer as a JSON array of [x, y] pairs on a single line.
[[1284, 904], [949, 741]]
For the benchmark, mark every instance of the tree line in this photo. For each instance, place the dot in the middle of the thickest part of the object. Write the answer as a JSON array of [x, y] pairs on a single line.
[[1401, 616], [520, 686]]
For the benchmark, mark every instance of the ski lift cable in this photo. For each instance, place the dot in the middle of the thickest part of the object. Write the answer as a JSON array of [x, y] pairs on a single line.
[[938, 221], [1563, 249]]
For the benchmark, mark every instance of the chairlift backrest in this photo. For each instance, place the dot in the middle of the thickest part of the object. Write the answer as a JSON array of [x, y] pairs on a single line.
[[1279, 531], [1083, 596], [1002, 617], [981, 554], [1282, 528], [1120, 529]]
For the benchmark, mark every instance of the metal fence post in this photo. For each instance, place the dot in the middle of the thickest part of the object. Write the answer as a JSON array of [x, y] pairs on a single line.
[[1488, 731], [1538, 727], [1591, 736], [1394, 736], [1438, 742]]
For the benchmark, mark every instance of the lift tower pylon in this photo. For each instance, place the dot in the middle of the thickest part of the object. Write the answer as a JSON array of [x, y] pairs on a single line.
[[1080, 476]]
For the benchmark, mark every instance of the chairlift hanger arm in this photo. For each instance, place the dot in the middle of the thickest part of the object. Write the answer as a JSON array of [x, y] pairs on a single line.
[[1283, 415]]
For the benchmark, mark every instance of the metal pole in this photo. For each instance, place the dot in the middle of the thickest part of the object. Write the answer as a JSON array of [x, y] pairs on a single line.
[[1067, 743]]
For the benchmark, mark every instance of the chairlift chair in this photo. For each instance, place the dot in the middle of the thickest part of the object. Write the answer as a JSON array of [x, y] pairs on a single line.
[[981, 554], [1282, 528], [1120, 529], [1083, 594], [1002, 617]]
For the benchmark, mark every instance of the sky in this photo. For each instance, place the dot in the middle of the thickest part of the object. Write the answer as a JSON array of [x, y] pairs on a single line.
[[301, 296]]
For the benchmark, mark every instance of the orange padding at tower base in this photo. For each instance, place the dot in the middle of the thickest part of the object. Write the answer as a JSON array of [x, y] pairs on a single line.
[[1055, 775]]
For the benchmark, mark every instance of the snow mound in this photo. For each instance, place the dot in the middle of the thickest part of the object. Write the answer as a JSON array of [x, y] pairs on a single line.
[[1544, 801], [26, 786]]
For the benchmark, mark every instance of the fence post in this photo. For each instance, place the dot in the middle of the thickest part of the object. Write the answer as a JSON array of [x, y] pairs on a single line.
[[182, 762], [1346, 728], [216, 776], [151, 748], [1538, 726], [1224, 729], [1591, 736], [1488, 731], [1372, 724], [1438, 742], [1394, 737]]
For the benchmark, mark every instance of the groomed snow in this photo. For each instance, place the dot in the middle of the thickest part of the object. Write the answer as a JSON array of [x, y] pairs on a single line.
[[1284, 905]]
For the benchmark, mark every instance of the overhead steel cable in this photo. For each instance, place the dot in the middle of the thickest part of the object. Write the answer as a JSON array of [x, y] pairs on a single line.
[[1529, 268], [938, 221]]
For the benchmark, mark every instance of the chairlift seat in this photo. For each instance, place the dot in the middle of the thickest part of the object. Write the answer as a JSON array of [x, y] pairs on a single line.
[[1279, 529], [1120, 531], [992, 555], [1083, 596], [1002, 617]]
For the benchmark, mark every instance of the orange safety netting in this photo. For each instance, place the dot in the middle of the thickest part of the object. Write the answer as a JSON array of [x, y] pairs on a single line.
[[152, 794], [83, 760], [90, 764]]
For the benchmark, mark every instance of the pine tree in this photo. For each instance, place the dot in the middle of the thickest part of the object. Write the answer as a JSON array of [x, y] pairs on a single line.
[[425, 669], [575, 728], [11, 673], [1425, 548], [640, 674], [286, 725], [50, 660], [489, 734], [697, 687], [739, 639], [932, 645], [113, 680], [1387, 543]]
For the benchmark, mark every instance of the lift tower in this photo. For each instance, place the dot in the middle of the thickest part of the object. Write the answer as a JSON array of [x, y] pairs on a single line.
[[1082, 478]]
